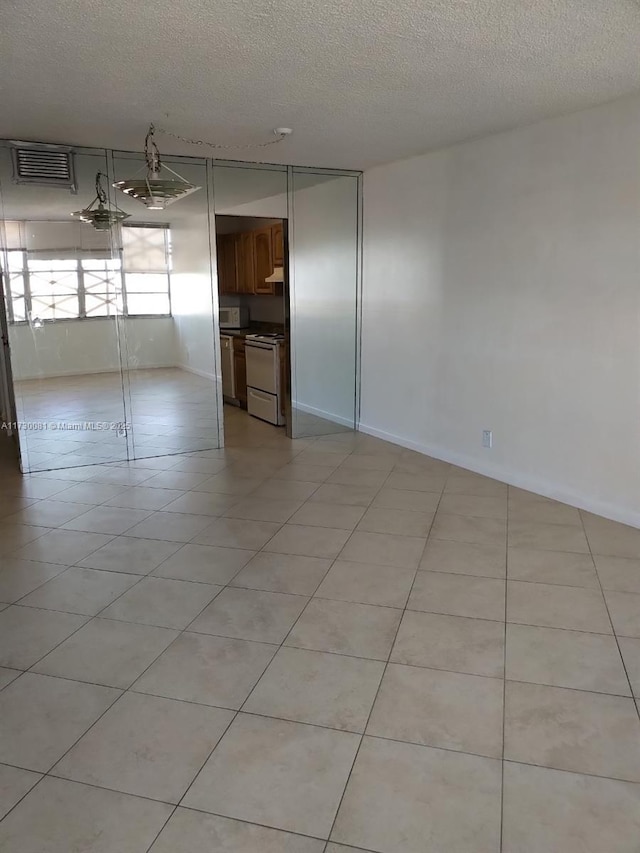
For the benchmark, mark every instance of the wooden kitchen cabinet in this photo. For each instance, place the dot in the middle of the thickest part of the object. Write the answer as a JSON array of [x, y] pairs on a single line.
[[277, 242], [246, 262], [240, 368], [263, 259], [227, 269]]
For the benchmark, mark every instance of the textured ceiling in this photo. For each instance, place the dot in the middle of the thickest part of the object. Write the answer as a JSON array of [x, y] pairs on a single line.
[[360, 81]]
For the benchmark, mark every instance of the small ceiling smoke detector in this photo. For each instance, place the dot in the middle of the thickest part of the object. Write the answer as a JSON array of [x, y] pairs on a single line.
[[153, 190], [101, 217]]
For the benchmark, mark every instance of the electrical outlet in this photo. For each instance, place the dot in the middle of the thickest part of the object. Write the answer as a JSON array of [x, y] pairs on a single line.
[[487, 438]]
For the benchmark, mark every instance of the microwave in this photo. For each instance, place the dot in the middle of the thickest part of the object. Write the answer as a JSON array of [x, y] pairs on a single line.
[[234, 317]]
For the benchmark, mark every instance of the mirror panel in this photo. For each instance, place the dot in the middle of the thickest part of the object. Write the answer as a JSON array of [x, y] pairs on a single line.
[[170, 315], [63, 300], [324, 302]]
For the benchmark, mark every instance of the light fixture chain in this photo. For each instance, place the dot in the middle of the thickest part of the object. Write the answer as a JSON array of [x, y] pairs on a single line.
[[202, 142]]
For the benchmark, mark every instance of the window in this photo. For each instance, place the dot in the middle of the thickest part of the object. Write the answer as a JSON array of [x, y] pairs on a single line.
[[146, 254], [77, 287]]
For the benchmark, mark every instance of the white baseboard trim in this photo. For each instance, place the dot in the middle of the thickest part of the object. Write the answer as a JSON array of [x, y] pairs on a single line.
[[320, 413], [62, 374], [205, 374], [514, 478]]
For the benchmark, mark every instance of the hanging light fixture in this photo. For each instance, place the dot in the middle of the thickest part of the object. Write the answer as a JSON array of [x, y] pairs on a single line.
[[154, 191], [101, 217]]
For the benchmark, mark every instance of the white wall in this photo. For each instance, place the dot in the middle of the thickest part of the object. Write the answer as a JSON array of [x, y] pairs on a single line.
[[71, 347], [192, 295], [502, 291]]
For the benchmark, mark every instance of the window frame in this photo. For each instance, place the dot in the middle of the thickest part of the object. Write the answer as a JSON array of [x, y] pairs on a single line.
[[25, 272]]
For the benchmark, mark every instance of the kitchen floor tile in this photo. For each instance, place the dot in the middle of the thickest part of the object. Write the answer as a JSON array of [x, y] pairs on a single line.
[[263, 509], [565, 659], [572, 730], [456, 643], [551, 537], [319, 688], [170, 526], [204, 563], [107, 652], [20, 577], [618, 573], [624, 608], [610, 538], [48, 513], [462, 482], [400, 522], [141, 497], [249, 614], [237, 533], [474, 505], [630, 650], [307, 541], [60, 816], [282, 573], [8, 675], [465, 558], [556, 567], [107, 519], [62, 546], [162, 602], [458, 595], [14, 784], [189, 831], [367, 584], [42, 717], [552, 606], [548, 810], [332, 493], [200, 503], [339, 516], [275, 773], [416, 482], [384, 549], [147, 746], [84, 591], [27, 634], [130, 555], [345, 628], [207, 669], [543, 511], [400, 795], [467, 528], [404, 499], [443, 709]]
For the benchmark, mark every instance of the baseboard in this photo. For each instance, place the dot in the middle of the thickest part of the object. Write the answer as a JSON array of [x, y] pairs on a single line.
[[203, 373], [514, 478], [320, 413], [65, 373]]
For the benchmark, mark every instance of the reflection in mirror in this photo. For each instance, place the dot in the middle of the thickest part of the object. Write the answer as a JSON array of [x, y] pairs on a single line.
[[251, 226], [324, 302], [169, 310], [63, 299]]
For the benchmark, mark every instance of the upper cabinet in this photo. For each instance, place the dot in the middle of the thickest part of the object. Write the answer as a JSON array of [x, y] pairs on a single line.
[[263, 248], [227, 269], [245, 260], [277, 238]]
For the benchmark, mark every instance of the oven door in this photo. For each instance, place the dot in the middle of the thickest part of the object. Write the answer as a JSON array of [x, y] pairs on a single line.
[[262, 367]]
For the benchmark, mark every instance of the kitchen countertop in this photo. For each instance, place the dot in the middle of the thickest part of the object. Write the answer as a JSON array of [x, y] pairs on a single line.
[[252, 330]]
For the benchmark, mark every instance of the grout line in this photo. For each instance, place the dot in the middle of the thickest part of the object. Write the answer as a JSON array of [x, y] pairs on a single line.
[[613, 628]]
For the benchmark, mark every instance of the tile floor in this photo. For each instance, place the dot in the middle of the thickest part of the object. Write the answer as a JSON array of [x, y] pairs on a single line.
[[317, 646]]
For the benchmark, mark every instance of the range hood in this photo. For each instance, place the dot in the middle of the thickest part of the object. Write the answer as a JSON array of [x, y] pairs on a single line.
[[276, 276]]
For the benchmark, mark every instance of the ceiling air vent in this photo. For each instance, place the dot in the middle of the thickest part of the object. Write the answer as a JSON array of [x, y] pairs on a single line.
[[44, 165]]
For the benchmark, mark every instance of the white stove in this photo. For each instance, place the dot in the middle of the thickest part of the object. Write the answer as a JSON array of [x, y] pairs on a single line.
[[265, 394]]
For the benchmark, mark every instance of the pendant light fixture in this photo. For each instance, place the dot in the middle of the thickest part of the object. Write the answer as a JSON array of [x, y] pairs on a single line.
[[101, 217], [154, 190]]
